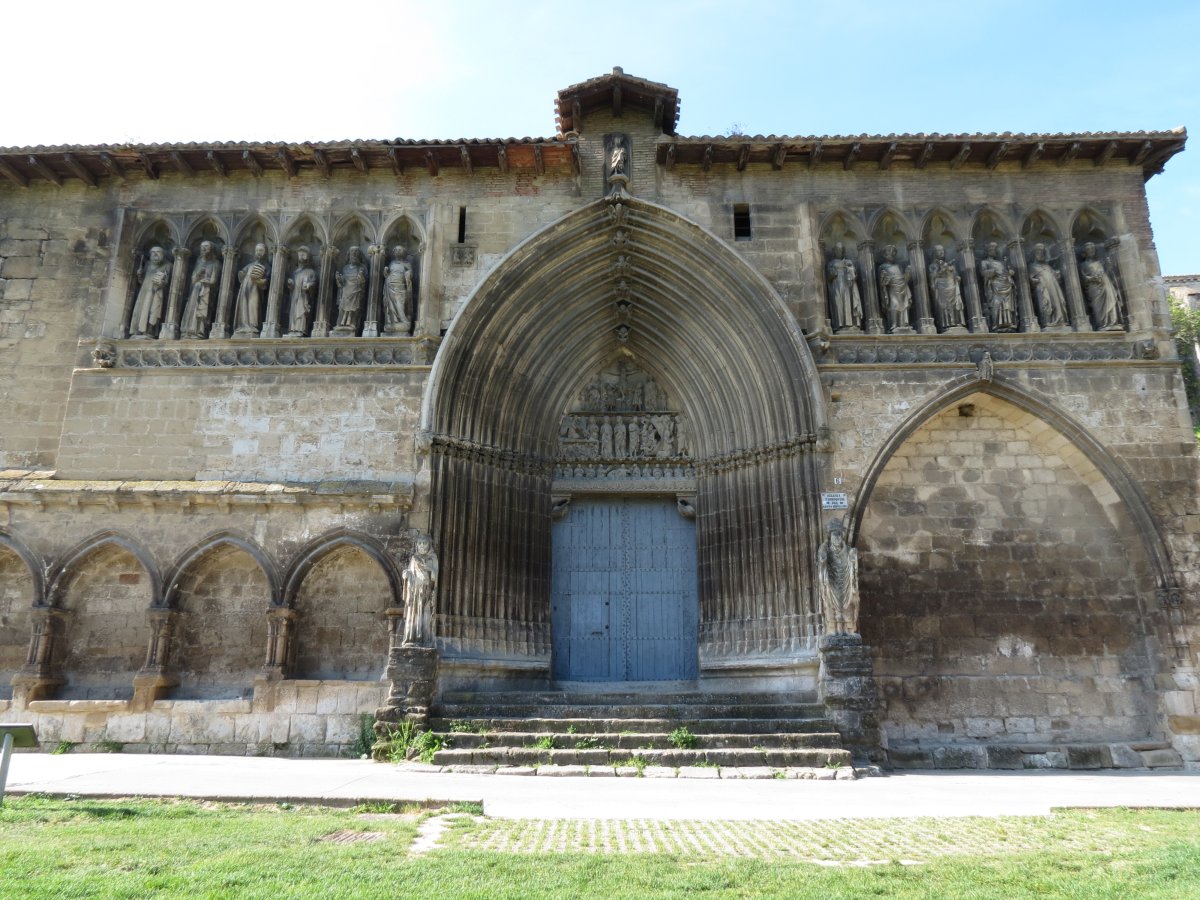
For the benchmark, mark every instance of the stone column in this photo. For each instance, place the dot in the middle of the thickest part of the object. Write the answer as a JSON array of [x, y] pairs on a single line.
[[281, 644], [916, 259], [1079, 312], [970, 275], [220, 329], [38, 679], [1117, 267], [371, 326], [322, 316], [412, 675], [155, 677], [179, 277], [1029, 319], [847, 688], [823, 278], [866, 260], [130, 295], [270, 327]]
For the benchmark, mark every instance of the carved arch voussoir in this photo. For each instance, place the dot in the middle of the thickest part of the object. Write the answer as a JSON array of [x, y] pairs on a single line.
[[146, 228], [246, 226], [65, 566], [342, 227], [216, 541], [196, 227], [1114, 472], [33, 562], [317, 549], [291, 231]]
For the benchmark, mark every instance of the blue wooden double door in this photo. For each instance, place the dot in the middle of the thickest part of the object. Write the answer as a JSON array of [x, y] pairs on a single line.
[[624, 603]]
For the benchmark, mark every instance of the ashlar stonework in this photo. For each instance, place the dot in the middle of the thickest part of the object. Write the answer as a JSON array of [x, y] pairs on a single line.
[[881, 439]]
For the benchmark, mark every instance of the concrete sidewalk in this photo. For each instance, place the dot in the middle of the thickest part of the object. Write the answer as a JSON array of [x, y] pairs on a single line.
[[342, 781]]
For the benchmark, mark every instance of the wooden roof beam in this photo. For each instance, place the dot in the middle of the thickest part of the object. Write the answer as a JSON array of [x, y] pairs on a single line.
[[252, 163], [216, 163], [539, 164], [502, 158], [706, 159], [13, 175], [961, 156], [359, 160], [1034, 154], [1142, 152], [1070, 153], [889, 153], [465, 155], [111, 165], [815, 156], [286, 162], [78, 169], [924, 156], [394, 159], [997, 155], [778, 156], [1106, 154], [322, 161], [44, 170], [743, 157], [181, 165], [431, 164], [852, 156], [148, 166]]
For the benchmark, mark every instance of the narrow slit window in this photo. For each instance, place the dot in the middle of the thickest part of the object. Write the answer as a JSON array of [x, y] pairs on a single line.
[[741, 221], [462, 224]]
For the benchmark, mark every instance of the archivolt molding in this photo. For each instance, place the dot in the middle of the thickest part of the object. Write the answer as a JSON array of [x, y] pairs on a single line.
[[317, 549], [214, 542], [1132, 497], [37, 569], [643, 282], [61, 571]]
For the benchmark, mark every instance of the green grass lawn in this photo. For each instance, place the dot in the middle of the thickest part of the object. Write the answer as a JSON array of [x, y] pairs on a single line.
[[137, 848]]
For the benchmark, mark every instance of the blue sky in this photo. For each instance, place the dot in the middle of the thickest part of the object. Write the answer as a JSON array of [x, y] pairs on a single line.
[[471, 68]]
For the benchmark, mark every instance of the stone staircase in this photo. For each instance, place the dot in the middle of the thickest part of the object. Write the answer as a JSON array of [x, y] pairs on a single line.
[[673, 729]]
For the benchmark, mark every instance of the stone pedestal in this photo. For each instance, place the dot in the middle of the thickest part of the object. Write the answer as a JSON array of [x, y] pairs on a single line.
[[847, 688], [412, 674]]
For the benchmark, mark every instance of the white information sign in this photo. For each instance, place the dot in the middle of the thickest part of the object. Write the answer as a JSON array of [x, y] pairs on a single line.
[[835, 500]]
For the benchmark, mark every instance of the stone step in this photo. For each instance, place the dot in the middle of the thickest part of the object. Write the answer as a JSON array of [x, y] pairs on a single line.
[[679, 712], [528, 756], [627, 698], [543, 725], [627, 740]]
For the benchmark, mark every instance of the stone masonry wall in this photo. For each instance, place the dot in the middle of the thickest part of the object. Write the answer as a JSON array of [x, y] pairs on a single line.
[[1003, 588], [341, 628], [221, 634], [107, 631]]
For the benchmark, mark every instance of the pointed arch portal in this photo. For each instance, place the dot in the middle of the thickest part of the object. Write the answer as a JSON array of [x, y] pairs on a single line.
[[625, 279]]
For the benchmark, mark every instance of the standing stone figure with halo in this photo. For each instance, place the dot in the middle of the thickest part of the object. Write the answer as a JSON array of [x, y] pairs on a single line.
[[837, 574], [420, 586]]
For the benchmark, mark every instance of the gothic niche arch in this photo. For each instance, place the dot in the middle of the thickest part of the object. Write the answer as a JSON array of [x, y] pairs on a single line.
[[848, 304], [20, 591], [626, 280], [306, 288], [1097, 256], [401, 264]]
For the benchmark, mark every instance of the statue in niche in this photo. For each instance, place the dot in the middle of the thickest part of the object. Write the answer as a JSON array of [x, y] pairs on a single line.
[[946, 285], [837, 575], [352, 287], [1047, 288], [619, 435], [205, 279], [895, 292], [635, 438], [254, 278], [999, 290], [155, 278], [844, 297], [1101, 291], [420, 585], [397, 286], [606, 440], [302, 287]]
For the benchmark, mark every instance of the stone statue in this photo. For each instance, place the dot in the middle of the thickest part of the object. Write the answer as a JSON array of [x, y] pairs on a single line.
[[302, 285], [254, 278], [946, 285], [1101, 291], [352, 284], [397, 287], [1047, 288], [155, 278], [999, 290], [837, 574], [894, 291], [616, 162], [420, 586], [844, 298], [205, 278]]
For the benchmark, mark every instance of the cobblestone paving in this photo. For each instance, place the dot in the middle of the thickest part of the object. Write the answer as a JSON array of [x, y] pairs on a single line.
[[831, 841]]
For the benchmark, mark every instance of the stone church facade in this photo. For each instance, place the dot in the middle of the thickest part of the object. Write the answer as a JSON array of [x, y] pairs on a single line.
[[624, 380]]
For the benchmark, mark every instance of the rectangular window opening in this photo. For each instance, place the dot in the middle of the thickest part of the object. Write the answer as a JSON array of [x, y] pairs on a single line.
[[462, 224], [741, 221]]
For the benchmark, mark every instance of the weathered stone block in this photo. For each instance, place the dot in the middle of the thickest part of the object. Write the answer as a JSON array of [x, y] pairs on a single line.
[[1162, 759], [959, 758], [999, 757], [1052, 759], [1089, 756]]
